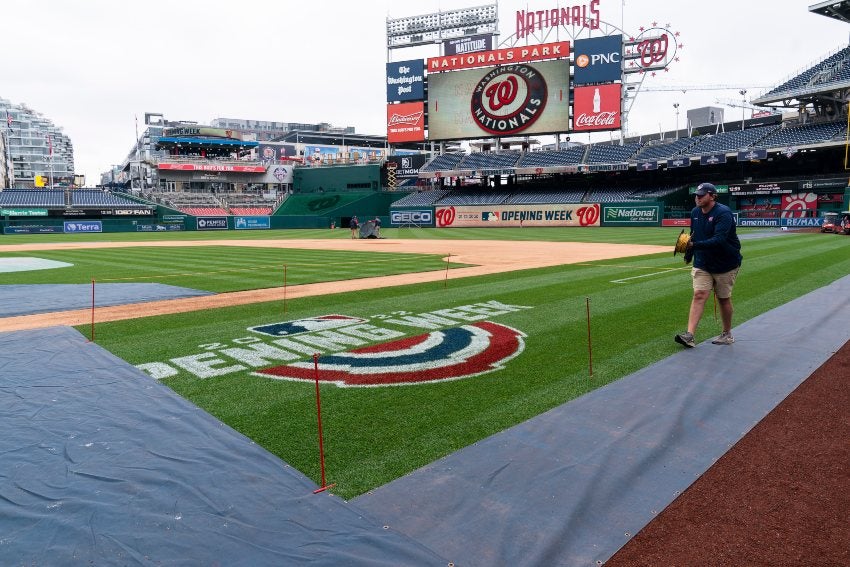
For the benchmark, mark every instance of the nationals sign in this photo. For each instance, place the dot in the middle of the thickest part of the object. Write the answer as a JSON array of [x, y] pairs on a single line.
[[557, 50]]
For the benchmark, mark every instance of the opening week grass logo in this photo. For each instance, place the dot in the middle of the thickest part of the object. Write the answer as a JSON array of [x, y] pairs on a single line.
[[459, 342]]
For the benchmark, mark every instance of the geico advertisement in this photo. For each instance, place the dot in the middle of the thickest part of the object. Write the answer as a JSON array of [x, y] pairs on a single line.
[[519, 215], [521, 98]]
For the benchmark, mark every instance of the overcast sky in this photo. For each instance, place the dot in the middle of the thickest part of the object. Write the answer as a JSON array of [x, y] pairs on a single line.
[[93, 66]]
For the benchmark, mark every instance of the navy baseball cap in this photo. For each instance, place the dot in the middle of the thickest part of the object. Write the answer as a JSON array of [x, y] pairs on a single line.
[[705, 188]]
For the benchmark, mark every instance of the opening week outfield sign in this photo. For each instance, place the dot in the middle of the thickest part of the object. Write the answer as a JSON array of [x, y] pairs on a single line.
[[519, 215]]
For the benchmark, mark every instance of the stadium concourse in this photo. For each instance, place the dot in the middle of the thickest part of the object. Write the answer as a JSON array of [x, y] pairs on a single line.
[[104, 465]]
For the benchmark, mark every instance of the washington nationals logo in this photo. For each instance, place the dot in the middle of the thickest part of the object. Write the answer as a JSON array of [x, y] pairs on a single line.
[[588, 216], [509, 99], [323, 203], [652, 51], [445, 217]]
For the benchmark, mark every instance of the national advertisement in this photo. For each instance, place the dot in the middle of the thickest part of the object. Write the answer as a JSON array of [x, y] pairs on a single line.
[[631, 215]]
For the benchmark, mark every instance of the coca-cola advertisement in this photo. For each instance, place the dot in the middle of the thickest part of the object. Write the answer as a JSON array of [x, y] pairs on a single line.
[[597, 108], [406, 122]]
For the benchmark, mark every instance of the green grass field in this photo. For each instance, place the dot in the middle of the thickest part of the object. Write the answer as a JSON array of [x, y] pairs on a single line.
[[376, 434]]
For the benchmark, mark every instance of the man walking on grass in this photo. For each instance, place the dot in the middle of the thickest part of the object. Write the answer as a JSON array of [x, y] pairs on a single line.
[[717, 258]]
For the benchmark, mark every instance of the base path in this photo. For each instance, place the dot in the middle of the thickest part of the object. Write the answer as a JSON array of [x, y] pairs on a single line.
[[487, 257]]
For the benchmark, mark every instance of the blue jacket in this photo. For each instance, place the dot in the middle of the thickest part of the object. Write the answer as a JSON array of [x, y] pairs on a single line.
[[716, 245]]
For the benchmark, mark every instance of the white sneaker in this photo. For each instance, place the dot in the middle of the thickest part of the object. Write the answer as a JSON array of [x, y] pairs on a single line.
[[725, 338]]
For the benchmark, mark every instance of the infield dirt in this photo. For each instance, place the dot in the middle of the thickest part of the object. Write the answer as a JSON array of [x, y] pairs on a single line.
[[484, 256]]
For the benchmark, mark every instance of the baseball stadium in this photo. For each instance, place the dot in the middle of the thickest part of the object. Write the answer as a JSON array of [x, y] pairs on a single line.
[[403, 351]]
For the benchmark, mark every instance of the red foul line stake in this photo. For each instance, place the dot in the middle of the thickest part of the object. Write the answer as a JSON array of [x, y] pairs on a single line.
[[448, 259], [92, 310], [589, 344], [284, 288], [324, 486]]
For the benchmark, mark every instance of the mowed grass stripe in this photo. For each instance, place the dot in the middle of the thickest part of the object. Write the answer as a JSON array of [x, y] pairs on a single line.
[[220, 268], [374, 435]]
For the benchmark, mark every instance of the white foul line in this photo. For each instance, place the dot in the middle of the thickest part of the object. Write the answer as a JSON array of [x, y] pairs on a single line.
[[644, 275]]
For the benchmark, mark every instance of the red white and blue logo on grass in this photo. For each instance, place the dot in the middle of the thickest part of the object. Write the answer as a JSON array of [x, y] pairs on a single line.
[[448, 354]]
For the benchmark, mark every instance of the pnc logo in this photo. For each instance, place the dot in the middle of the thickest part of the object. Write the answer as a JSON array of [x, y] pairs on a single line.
[[582, 61]]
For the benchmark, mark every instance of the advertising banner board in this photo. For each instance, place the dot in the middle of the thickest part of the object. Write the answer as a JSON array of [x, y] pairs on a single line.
[[597, 108], [83, 226], [518, 215], [406, 80], [598, 60], [211, 223], [251, 223], [406, 122], [631, 215]]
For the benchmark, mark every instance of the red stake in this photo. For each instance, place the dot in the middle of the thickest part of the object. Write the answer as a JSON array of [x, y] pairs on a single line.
[[324, 486], [589, 347], [92, 311], [448, 259], [284, 288]]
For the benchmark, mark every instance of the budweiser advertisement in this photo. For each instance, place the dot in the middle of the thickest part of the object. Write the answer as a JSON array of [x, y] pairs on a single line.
[[516, 99], [597, 107], [406, 122]]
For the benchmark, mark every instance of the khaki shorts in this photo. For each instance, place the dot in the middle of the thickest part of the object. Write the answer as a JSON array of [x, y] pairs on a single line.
[[721, 283]]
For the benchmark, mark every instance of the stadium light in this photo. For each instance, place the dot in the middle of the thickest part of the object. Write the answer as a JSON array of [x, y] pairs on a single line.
[[430, 28], [743, 93], [676, 106]]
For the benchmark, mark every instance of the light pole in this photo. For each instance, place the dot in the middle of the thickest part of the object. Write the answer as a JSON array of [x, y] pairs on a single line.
[[743, 93], [676, 106]]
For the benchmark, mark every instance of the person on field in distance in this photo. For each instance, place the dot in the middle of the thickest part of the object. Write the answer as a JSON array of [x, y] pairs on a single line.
[[354, 225], [717, 258]]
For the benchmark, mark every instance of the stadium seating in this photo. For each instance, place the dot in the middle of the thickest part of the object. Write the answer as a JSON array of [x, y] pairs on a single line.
[[665, 150], [206, 211], [32, 198], [571, 156], [830, 69], [98, 198], [545, 197], [444, 162], [421, 199], [729, 141], [485, 160], [493, 197], [610, 196], [250, 210], [612, 153], [802, 135]]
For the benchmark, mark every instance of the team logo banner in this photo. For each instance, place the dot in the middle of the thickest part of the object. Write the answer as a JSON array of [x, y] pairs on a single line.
[[391, 349], [597, 108]]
